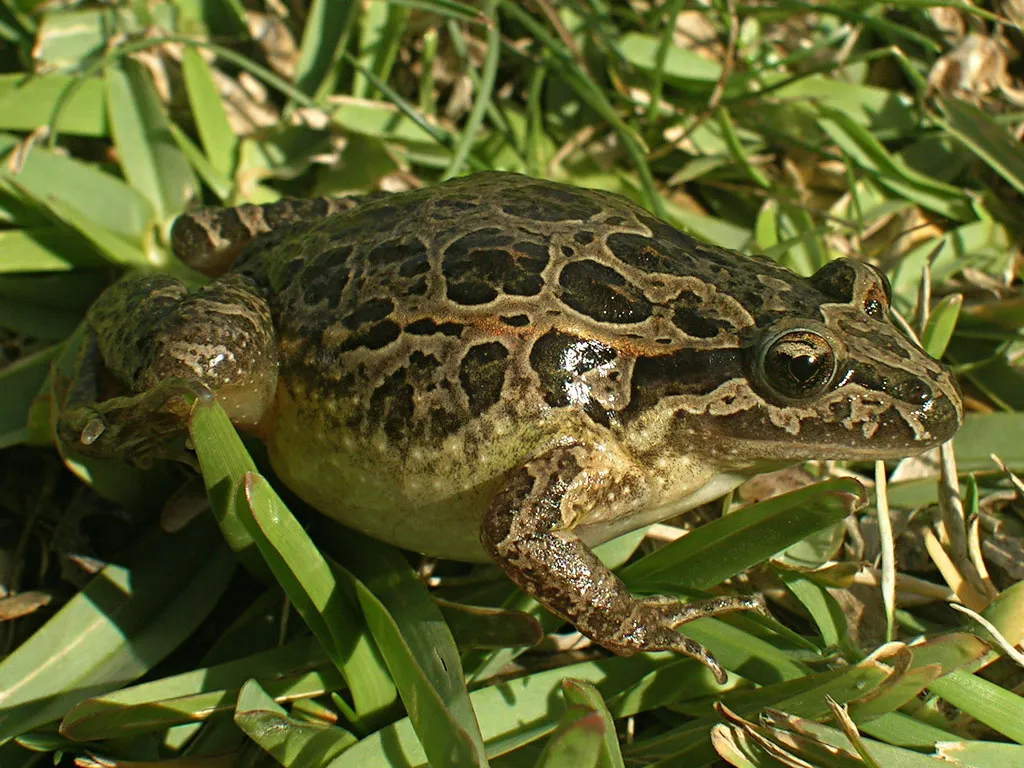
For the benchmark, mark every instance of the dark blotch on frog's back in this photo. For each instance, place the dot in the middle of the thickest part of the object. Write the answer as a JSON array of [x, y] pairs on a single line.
[[483, 264], [691, 315], [601, 293], [428, 327], [454, 207], [392, 406], [684, 372], [482, 375], [545, 202], [560, 360], [515, 321], [375, 336], [368, 312], [651, 255], [319, 278], [405, 255]]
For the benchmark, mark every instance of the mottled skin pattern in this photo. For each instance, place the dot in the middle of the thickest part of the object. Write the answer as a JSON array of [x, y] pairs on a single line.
[[507, 368]]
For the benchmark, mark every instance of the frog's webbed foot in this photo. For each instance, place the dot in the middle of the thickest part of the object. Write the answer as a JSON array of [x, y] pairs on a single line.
[[651, 626], [141, 428], [528, 532]]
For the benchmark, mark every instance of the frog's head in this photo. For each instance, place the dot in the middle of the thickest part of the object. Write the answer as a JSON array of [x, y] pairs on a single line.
[[816, 370]]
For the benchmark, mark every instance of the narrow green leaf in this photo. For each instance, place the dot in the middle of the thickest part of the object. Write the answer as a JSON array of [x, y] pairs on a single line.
[[223, 461], [738, 541], [583, 695], [149, 156], [1000, 709], [29, 102], [986, 433], [941, 323], [510, 714], [680, 66], [20, 382], [824, 611], [64, 41], [989, 141], [45, 249], [296, 670], [220, 143], [126, 620], [61, 183], [324, 37], [289, 741], [766, 228], [320, 599], [867, 151], [418, 647], [577, 741]]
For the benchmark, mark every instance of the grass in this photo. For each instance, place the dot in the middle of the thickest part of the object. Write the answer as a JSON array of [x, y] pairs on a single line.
[[803, 131]]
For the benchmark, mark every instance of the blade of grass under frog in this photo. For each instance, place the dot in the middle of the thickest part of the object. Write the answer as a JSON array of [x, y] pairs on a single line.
[[738, 541], [584, 697], [324, 602], [223, 461], [417, 646], [510, 714]]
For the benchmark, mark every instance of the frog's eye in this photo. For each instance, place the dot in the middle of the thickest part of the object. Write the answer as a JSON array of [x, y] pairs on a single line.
[[797, 363]]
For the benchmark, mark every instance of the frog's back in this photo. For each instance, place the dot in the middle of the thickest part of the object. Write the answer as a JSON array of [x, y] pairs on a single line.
[[438, 305]]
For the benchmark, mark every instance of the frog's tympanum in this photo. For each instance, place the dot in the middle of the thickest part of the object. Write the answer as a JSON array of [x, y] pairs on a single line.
[[506, 368]]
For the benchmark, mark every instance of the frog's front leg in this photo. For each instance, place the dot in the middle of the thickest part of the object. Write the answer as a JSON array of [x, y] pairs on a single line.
[[149, 348], [528, 531]]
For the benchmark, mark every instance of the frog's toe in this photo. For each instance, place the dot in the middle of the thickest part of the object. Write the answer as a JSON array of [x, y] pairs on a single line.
[[650, 627], [676, 613], [92, 430], [142, 428]]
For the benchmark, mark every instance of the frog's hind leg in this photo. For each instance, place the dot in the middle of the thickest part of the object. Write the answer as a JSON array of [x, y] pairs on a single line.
[[147, 351], [528, 531]]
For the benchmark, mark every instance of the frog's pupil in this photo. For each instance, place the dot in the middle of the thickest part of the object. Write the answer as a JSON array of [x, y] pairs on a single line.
[[804, 367]]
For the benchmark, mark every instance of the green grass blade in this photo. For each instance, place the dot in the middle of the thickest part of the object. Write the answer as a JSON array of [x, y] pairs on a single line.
[[986, 139], [418, 647], [741, 540], [149, 156], [27, 103], [220, 143], [197, 695], [127, 619], [289, 741], [320, 599]]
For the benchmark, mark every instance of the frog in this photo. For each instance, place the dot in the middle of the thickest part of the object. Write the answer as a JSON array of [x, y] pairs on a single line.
[[505, 369]]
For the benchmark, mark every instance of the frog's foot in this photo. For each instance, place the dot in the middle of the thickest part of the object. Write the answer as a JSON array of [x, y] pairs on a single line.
[[528, 532], [141, 428], [651, 626]]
